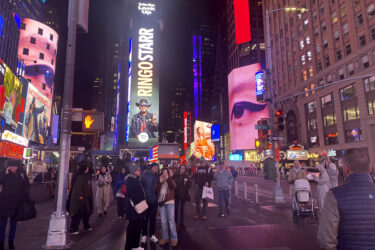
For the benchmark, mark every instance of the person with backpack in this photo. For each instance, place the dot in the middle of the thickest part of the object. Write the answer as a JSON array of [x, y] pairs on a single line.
[[120, 189]]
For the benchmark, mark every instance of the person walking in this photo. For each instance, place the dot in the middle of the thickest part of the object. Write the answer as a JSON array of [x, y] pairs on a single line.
[[120, 195], [148, 180], [14, 190], [295, 172], [103, 191], [135, 195], [81, 202], [223, 180], [202, 177], [114, 173], [323, 185], [333, 173], [347, 218], [183, 182], [165, 188]]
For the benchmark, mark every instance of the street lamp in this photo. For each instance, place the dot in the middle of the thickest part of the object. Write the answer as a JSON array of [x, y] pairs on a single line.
[[278, 193]]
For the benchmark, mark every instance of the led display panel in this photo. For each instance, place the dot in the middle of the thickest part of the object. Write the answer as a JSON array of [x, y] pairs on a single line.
[[203, 146], [242, 21], [244, 110]]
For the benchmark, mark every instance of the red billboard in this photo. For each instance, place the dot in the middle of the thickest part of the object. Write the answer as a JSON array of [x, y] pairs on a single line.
[[242, 21]]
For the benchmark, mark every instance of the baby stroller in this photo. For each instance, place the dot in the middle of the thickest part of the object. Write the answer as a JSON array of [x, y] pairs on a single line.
[[303, 203]]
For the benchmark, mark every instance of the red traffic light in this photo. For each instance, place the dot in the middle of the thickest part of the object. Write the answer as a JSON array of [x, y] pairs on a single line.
[[279, 112]]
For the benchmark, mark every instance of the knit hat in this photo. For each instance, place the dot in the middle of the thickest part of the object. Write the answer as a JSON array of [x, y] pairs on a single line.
[[133, 168], [13, 163]]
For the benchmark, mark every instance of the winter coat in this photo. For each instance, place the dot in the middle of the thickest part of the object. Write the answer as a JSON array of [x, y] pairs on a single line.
[[333, 174], [82, 186], [182, 188], [322, 188], [294, 175], [203, 175], [119, 181], [148, 181], [223, 179], [105, 179], [170, 193], [14, 189], [134, 193]]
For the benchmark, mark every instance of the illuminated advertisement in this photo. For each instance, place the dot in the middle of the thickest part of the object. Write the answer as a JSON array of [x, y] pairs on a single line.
[[185, 130], [215, 132], [197, 74], [37, 49], [203, 146], [242, 21], [244, 110], [37, 117], [143, 99], [259, 85], [12, 102]]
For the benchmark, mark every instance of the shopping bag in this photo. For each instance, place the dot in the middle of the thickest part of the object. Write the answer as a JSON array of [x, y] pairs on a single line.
[[208, 193]]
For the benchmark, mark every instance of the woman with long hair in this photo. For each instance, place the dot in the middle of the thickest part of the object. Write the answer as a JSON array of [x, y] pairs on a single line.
[[103, 190]]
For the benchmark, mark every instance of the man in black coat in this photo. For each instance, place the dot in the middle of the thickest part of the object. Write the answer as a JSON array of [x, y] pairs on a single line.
[[14, 188], [202, 177]]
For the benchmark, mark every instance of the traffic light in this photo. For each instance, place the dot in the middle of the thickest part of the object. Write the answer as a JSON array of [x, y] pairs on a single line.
[[257, 144], [279, 120], [92, 121]]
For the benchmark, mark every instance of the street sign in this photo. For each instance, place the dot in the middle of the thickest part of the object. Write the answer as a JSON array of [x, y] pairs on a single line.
[[92, 121], [275, 138], [262, 127]]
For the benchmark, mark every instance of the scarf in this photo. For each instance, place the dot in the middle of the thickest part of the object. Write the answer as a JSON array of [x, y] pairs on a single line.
[[163, 192]]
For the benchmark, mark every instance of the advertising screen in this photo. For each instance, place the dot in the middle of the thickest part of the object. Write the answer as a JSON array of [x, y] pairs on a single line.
[[244, 110], [37, 115], [143, 98], [12, 104], [215, 132], [37, 49], [203, 146]]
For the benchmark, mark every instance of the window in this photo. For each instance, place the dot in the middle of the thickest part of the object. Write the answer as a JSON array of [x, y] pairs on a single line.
[[312, 124], [303, 60], [358, 19], [343, 10], [347, 93], [334, 18], [314, 16], [326, 61], [331, 138], [329, 120], [348, 49], [353, 135], [44, 86], [23, 26], [47, 46], [52, 62], [371, 107], [313, 141], [356, 2], [316, 32], [338, 55], [309, 56], [32, 40], [323, 26], [321, 9], [351, 113], [336, 36], [311, 107], [327, 100], [372, 33], [340, 74], [320, 67], [325, 44], [321, 82], [362, 40], [350, 68], [25, 51], [51, 37], [301, 44], [365, 62], [307, 40], [371, 10], [345, 29], [329, 79], [369, 83], [40, 31], [41, 56], [317, 48]]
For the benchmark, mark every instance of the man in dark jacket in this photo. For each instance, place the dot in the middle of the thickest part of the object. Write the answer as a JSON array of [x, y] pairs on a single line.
[[347, 220], [202, 177], [15, 188], [148, 181], [183, 182]]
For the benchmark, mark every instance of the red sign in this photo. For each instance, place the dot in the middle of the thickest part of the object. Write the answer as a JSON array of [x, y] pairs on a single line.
[[11, 150], [242, 21], [185, 130]]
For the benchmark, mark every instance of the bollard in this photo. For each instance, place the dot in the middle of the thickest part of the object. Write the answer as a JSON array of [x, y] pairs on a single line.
[[236, 188], [256, 193], [245, 190]]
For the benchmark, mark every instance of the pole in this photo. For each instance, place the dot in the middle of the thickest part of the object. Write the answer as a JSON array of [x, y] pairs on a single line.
[[278, 195], [58, 237]]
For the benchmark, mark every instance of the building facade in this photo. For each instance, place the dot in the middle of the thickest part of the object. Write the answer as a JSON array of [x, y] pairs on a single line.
[[325, 58]]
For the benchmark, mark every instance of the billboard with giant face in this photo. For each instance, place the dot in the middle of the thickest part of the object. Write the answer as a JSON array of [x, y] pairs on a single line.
[[203, 146], [143, 89], [37, 115], [244, 110]]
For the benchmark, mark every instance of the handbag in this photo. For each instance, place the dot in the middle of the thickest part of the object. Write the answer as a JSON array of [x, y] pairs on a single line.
[[140, 207], [26, 211], [208, 193]]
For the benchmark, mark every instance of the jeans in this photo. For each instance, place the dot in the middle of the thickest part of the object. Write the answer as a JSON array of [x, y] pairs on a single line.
[[150, 217], [223, 197], [180, 209], [133, 232], [12, 229], [198, 198], [167, 217], [121, 207]]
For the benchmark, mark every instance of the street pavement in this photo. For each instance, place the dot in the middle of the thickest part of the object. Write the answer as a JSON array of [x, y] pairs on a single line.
[[249, 226]]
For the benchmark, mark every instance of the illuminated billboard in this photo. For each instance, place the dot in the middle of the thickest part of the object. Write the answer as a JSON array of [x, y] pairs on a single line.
[[12, 102], [244, 110], [242, 21], [37, 49], [203, 146], [37, 117], [143, 96]]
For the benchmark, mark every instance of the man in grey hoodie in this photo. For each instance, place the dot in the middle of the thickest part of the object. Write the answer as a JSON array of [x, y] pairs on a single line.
[[223, 181]]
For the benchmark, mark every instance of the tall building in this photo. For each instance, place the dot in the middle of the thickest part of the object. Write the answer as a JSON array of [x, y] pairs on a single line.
[[178, 104], [328, 51]]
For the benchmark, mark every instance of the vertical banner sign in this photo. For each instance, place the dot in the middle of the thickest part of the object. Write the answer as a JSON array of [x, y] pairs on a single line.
[[144, 90], [242, 21], [185, 130], [259, 85]]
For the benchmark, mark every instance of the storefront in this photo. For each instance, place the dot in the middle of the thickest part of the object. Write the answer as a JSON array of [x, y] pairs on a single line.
[[12, 146]]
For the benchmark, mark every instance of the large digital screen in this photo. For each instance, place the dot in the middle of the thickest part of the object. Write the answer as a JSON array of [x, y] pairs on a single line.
[[143, 86], [242, 21], [244, 110], [37, 115], [203, 146], [37, 49], [12, 104]]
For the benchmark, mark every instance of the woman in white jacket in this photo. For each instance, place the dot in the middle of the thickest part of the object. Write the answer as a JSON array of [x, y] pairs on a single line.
[[332, 171], [103, 191], [323, 182]]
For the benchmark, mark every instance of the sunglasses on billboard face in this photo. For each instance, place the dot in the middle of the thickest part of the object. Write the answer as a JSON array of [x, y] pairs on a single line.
[[244, 108]]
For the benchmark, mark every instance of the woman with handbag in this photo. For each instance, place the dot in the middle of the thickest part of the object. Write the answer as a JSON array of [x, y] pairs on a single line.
[[120, 189], [14, 188], [165, 189], [136, 206], [103, 190]]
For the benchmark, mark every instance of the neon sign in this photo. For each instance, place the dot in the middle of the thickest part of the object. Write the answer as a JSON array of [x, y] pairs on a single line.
[[259, 83], [145, 65], [12, 137], [146, 8]]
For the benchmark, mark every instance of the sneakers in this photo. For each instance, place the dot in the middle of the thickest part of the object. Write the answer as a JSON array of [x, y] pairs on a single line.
[[162, 242], [221, 215], [154, 239], [73, 232], [143, 239], [89, 229], [138, 248], [174, 243]]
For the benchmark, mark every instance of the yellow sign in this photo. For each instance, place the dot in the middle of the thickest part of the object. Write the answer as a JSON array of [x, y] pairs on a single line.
[[252, 155], [88, 121]]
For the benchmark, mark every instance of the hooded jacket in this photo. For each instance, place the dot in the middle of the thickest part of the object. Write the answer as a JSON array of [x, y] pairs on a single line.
[[223, 179]]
